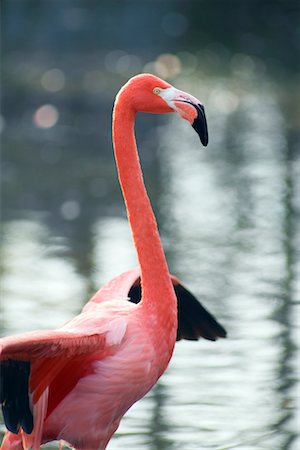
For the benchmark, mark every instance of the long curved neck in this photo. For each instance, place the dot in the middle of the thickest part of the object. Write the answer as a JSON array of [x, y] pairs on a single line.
[[154, 269]]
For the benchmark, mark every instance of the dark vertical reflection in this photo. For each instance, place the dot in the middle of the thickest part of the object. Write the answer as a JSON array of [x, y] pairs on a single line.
[[286, 375], [159, 428], [81, 250]]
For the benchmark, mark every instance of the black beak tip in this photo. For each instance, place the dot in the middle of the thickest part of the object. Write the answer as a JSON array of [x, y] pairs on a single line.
[[200, 125]]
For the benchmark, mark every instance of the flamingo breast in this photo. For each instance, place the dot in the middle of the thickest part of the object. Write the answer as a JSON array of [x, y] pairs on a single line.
[[115, 384]]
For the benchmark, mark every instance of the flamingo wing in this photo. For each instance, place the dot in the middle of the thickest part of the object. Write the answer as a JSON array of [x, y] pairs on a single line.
[[44, 366], [117, 288], [194, 321], [40, 344]]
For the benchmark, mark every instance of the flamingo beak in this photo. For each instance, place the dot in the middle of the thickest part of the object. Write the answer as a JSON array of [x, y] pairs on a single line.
[[189, 108], [200, 124]]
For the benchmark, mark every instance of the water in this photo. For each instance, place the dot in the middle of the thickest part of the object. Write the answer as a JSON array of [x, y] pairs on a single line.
[[228, 216]]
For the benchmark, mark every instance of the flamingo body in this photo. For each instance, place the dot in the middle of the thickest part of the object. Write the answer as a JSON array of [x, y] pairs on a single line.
[[76, 382], [106, 352]]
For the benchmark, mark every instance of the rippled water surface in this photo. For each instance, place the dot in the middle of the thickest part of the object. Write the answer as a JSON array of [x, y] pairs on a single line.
[[229, 219]]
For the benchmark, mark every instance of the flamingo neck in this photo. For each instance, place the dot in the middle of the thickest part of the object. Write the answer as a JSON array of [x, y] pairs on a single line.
[[156, 284]]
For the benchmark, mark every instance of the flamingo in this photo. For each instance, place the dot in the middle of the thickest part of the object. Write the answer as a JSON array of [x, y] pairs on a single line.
[[74, 383]]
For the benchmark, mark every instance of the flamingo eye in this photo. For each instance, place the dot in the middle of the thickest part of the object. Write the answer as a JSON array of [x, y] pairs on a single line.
[[157, 90]]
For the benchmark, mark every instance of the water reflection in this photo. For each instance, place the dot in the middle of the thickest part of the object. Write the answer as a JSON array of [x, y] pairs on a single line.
[[39, 283], [113, 248], [234, 216]]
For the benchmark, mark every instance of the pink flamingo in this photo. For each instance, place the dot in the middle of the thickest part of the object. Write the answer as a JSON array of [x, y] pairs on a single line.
[[75, 383]]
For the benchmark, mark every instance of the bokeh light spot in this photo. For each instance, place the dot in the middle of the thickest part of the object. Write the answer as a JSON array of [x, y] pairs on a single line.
[[46, 116], [188, 61], [111, 60], [122, 63], [242, 65], [53, 80], [70, 209], [223, 100], [166, 65]]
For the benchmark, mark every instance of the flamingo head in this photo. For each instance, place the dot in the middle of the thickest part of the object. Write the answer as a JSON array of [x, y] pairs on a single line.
[[149, 93], [188, 107]]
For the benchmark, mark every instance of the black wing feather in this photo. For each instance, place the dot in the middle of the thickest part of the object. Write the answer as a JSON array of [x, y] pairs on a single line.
[[194, 321], [14, 398]]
